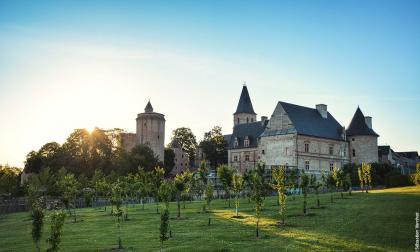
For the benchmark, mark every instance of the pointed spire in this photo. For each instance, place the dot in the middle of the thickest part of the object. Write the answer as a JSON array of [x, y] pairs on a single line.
[[358, 126], [245, 104], [148, 108]]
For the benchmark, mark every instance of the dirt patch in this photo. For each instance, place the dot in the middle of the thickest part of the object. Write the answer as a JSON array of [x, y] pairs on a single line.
[[238, 217]]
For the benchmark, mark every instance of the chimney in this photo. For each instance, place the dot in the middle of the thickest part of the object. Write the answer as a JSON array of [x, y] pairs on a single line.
[[322, 110], [368, 120], [263, 119]]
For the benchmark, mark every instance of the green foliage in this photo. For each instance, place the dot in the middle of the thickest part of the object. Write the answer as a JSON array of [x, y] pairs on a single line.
[[365, 176], [143, 156], [117, 212], [280, 184], [57, 223], [164, 227], [208, 197], [37, 216], [331, 184], [169, 160], [166, 190], [237, 187], [203, 172], [401, 180], [9, 180], [257, 187], [417, 175], [316, 185], [214, 147], [339, 178], [155, 178], [304, 185], [69, 188], [186, 140], [181, 184], [225, 174]]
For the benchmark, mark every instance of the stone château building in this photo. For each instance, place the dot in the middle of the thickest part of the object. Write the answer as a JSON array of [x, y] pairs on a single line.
[[309, 139], [150, 130]]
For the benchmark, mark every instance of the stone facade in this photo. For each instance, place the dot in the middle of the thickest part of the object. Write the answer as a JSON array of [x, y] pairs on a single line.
[[150, 130], [363, 149], [243, 159], [244, 118]]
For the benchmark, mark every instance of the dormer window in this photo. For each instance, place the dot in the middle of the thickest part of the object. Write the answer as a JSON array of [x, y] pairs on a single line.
[[246, 142], [235, 143]]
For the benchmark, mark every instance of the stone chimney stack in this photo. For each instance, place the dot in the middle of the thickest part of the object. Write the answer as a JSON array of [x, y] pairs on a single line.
[[322, 110], [368, 120]]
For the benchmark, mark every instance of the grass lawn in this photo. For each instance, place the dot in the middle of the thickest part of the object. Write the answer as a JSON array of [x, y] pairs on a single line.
[[382, 220]]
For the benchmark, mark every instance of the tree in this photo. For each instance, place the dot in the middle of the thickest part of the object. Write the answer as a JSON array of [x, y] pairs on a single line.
[[225, 174], [316, 185], [365, 176], [214, 147], [143, 156], [417, 175], [165, 192], [339, 178], [209, 197], [294, 181], [9, 180], [257, 196], [280, 185], [69, 188], [203, 172], [164, 227], [304, 185], [57, 223], [142, 185], [347, 183], [237, 186], [116, 201], [180, 184], [169, 157], [186, 140], [37, 215], [330, 182], [156, 178]]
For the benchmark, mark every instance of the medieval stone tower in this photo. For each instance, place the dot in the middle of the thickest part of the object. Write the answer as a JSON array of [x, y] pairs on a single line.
[[363, 140], [150, 130], [244, 112]]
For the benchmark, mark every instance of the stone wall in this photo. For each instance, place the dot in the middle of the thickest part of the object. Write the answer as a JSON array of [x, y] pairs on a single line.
[[244, 118], [181, 161], [242, 164], [128, 141], [366, 149], [278, 150], [279, 119]]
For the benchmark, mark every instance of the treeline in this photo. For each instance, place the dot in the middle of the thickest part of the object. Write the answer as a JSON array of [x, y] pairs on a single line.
[[86, 152]]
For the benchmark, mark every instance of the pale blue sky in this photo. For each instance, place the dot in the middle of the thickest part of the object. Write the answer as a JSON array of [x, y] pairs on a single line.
[[72, 64]]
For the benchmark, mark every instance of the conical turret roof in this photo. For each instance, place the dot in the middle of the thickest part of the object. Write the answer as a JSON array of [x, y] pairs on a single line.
[[148, 108], [358, 126], [245, 104]]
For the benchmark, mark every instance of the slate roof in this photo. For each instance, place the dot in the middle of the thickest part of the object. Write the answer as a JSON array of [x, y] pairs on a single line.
[[409, 154], [308, 121], [358, 126], [252, 130], [227, 138], [245, 104], [148, 108]]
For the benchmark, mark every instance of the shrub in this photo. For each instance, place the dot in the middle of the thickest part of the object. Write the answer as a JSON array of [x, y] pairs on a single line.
[[400, 180]]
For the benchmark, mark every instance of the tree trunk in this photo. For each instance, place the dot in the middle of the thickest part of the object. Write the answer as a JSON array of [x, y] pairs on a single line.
[[258, 221], [179, 208], [304, 204], [318, 204], [157, 205]]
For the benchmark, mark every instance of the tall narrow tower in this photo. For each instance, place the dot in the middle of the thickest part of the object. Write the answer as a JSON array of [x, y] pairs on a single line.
[[151, 130], [244, 112], [363, 140]]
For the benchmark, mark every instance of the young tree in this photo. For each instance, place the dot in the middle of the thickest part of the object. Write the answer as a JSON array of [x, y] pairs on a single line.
[[142, 185], [347, 183], [294, 181], [57, 223], [339, 177], [304, 185], [156, 178], [365, 176], [225, 174], [166, 190], [180, 183], [237, 186], [280, 184], [209, 197], [116, 201], [361, 178], [70, 188], [164, 227], [316, 185], [37, 215], [330, 182], [257, 196]]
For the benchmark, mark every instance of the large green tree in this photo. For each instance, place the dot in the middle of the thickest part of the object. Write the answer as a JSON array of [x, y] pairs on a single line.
[[225, 175], [214, 147], [186, 139]]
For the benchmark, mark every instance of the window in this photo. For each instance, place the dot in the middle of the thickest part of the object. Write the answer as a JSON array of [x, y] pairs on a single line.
[[238, 121], [344, 152], [354, 152], [263, 152], [182, 155], [246, 157], [247, 120], [307, 165], [286, 151], [331, 150], [331, 166], [246, 142], [235, 143], [352, 139], [306, 147], [235, 158]]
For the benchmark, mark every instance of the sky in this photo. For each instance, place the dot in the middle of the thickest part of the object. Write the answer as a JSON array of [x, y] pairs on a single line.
[[85, 64]]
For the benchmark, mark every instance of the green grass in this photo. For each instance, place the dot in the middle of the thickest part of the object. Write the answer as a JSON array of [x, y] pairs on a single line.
[[382, 220]]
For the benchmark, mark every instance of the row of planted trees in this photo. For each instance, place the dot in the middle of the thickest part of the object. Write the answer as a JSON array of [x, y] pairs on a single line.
[[119, 192]]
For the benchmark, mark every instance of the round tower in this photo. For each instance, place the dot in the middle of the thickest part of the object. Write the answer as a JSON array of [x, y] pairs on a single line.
[[151, 130]]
